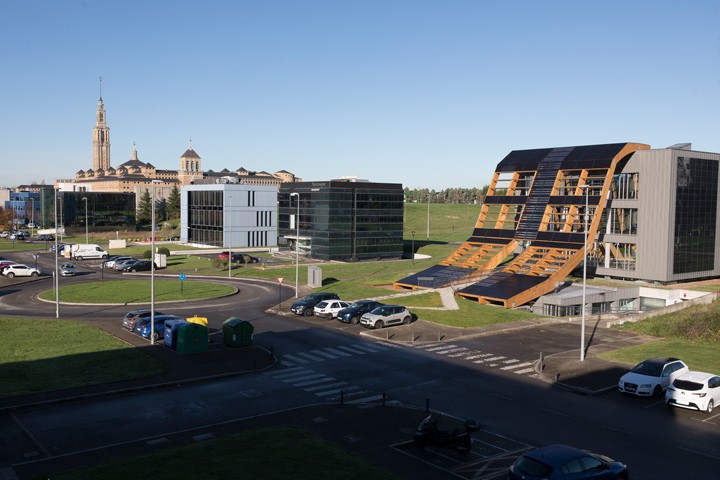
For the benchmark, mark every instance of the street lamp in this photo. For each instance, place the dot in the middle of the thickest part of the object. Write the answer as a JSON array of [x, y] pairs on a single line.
[[412, 248], [152, 264], [297, 241], [427, 236], [582, 321], [57, 286], [85, 199], [229, 214]]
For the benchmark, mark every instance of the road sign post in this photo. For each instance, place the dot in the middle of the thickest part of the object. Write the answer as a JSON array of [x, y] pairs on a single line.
[[182, 278], [280, 280]]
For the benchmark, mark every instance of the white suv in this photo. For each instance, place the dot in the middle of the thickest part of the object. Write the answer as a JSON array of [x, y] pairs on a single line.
[[386, 315], [20, 270]]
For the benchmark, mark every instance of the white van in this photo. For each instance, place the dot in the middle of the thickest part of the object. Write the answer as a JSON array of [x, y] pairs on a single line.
[[81, 251]]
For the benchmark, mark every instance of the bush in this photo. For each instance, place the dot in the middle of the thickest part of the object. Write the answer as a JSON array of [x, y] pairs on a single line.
[[163, 251], [147, 254]]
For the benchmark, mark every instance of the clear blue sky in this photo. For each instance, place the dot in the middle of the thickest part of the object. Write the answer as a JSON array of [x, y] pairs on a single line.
[[427, 93]]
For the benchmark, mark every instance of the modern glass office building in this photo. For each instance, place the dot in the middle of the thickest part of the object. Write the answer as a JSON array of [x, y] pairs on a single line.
[[342, 220]]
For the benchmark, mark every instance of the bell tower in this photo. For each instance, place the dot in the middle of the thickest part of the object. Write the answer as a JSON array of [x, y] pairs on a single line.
[[101, 137]]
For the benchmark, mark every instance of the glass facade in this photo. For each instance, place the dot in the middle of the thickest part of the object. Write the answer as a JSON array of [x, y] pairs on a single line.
[[625, 186], [695, 215], [205, 217], [623, 221], [344, 220]]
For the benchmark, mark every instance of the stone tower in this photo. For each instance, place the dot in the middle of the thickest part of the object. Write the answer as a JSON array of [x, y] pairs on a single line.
[[189, 166], [101, 140]]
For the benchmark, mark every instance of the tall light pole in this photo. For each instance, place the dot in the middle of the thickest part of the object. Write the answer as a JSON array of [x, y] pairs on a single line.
[[85, 199], [229, 214], [427, 236], [57, 285], [152, 263], [582, 321], [297, 241]]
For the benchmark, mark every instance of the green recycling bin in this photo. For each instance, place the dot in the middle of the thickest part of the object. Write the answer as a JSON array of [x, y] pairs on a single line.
[[237, 332], [191, 338]]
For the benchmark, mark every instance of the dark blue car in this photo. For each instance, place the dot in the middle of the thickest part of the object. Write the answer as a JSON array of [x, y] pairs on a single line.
[[142, 327], [356, 309], [561, 461]]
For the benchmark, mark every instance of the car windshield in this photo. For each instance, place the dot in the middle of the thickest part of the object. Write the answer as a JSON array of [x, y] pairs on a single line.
[[651, 369], [322, 304], [687, 385]]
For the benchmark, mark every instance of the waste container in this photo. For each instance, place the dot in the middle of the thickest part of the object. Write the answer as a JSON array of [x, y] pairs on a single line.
[[191, 338], [237, 332], [198, 320], [171, 331]]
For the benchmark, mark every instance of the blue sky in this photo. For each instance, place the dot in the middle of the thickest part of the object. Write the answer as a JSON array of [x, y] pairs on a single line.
[[427, 93]]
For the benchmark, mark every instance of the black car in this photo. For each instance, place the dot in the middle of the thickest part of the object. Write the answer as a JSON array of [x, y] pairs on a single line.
[[353, 313], [305, 305], [139, 266]]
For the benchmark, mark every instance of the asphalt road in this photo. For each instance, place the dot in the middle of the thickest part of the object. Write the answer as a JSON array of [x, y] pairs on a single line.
[[486, 378]]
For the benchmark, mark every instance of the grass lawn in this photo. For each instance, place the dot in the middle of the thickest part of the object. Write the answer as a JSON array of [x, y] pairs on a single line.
[[41, 355], [137, 291], [273, 453]]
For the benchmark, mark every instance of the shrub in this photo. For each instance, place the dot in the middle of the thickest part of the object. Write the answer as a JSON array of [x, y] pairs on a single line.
[[147, 254], [163, 251]]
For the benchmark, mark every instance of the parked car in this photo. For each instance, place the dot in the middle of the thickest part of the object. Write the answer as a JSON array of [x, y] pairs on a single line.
[[60, 248], [652, 377], [110, 262], [68, 269], [132, 317], [305, 305], [120, 264], [238, 257], [20, 270], [329, 308], [353, 312], [386, 315], [694, 390], [4, 264], [46, 237], [139, 266], [143, 329], [561, 461]]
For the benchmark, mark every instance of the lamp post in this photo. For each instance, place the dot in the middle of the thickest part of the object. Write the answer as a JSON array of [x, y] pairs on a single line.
[[152, 263], [85, 199], [427, 236], [412, 247], [582, 321], [297, 241], [57, 286], [229, 213]]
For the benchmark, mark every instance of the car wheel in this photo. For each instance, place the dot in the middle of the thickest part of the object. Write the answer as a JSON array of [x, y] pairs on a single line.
[[34, 274], [308, 312], [379, 324], [79, 258], [156, 336], [355, 320], [406, 321], [10, 274], [657, 391], [710, 406], [133, 270]]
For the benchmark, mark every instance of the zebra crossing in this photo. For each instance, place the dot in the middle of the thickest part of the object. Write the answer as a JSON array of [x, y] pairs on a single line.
[[327, 387], [478, 357], [330, 353]]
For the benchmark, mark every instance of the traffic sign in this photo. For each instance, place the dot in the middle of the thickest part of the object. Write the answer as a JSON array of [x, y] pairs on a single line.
[[280, 279], [181, 276]]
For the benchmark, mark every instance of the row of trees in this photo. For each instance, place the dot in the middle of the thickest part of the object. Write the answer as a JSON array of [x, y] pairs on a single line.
[[449, 195], [165, 208]]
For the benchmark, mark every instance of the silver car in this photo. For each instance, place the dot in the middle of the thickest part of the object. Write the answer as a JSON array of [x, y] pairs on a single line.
[[386, 315]]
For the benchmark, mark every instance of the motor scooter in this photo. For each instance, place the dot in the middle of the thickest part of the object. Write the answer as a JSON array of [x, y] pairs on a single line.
[[429, 435]]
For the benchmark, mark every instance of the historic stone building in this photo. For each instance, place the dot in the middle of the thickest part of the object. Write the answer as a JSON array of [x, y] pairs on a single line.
[[136, 176]]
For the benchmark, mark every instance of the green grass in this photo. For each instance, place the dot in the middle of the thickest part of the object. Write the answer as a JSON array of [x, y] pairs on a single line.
[[691, 334], [42, 355], [137, 291], [274, 453]]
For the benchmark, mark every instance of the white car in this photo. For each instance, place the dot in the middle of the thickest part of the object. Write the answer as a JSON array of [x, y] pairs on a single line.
[[20, 270], [652, 377], [694, 390], [110, 263], [386, 315], [329, 308]]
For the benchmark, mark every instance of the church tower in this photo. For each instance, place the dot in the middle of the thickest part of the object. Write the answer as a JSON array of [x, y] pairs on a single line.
[[189, 166], [101, 140]]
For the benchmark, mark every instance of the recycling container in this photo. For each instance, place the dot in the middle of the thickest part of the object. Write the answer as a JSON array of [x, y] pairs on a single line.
[[171, 331], [191, 338], [237, 332]]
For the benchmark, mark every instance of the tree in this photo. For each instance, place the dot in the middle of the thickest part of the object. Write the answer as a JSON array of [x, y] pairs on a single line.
[[6, 217], [173, 203], [144, 209]]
